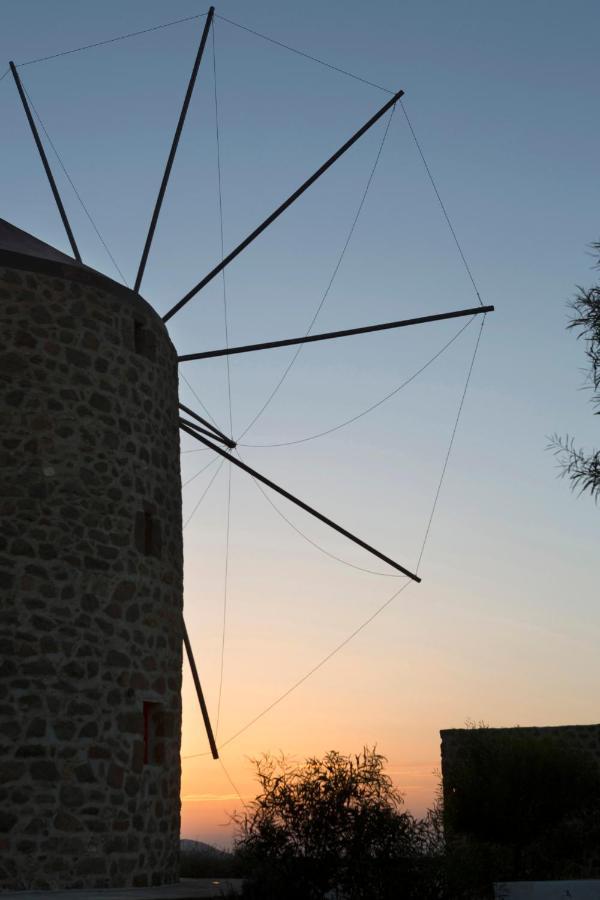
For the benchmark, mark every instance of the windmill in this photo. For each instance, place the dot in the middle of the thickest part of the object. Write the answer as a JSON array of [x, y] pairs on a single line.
[[76, 347]]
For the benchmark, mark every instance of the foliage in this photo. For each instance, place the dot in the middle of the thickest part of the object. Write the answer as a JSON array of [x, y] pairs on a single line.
[[583, 471], [203, 861], [332, 825]]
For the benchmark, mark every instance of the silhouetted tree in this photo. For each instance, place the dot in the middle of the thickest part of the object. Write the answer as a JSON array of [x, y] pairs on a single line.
[[331, 825], [583, 470]]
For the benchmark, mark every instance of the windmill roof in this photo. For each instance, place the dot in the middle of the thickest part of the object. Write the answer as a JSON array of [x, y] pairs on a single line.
[[15, 240], [21, 250]]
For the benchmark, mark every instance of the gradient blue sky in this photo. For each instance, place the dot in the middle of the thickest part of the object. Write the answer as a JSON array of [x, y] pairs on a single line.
[[505, 626]]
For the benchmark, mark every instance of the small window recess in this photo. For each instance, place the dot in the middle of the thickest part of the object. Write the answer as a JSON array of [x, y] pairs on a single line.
[[143, 340], [138, 336], [153, 744], [149, 533]]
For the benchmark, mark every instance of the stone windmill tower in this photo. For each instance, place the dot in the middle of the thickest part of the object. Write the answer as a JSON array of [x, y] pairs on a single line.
[[91, 626], [91, 574]]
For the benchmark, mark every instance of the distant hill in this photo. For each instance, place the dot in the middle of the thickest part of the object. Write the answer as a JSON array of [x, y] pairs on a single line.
[[189, 846], [200, 860]]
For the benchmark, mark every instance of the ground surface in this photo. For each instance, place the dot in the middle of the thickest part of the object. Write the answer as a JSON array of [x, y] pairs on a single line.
[[186, 889]]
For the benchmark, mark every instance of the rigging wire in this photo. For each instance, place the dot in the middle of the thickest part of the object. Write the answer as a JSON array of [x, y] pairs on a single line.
[[441, 202], [390, 600], [230, 780], [306, 55], [205, 492], [228, 370], [2, 77], [373, 406], [225, 597], [314, 544], [225, 314], [451, 443], [331, 280], [200, 471], [77, 194], [120, 37], [182, 376], [409, 123]]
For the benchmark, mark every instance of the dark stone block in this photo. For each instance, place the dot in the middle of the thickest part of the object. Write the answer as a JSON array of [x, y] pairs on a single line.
[[130, 723], [29, 751], [115, 776], [37, 728], [100, 402], [74, 670], [132, 785], [77, 358], [64, 729], [12, 363], [92, 865], [97, 752], [38, 667], [64, 821], [132, 613], [117, 659], [7, 821], [26, 846], [35, 826], [89, 730], [6, 579], [49, 645], [44, 771], [71, 795], [85, 773], [20, 547], [123, 592], [91, 562]]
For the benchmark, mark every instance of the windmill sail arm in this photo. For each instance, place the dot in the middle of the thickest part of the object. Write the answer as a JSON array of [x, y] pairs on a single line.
[[45, 163], [208, 429], [347, 332], [173, 151], [274, 215], [198, 686], [309, 509]]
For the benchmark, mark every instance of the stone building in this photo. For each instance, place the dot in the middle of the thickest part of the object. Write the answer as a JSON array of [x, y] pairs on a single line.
[[455, 741], [90, 578]]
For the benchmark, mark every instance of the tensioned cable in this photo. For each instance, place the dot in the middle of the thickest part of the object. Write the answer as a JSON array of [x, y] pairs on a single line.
[[77, 194], [200, 471], [380, 87], [120, 37], [226, 324], [306, 55], [231, 782], [5, 74], [451, 444], [181, 375], [373, 406], [441, 202], [226, 319], [384, 605], [206, 490], [225, 583], [314, 543], [331, 280]]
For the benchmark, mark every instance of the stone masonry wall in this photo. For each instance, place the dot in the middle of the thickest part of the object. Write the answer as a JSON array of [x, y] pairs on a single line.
[[90, 587]]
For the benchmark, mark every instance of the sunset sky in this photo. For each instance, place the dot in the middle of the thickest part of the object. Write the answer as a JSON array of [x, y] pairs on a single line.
[[504, 100]]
